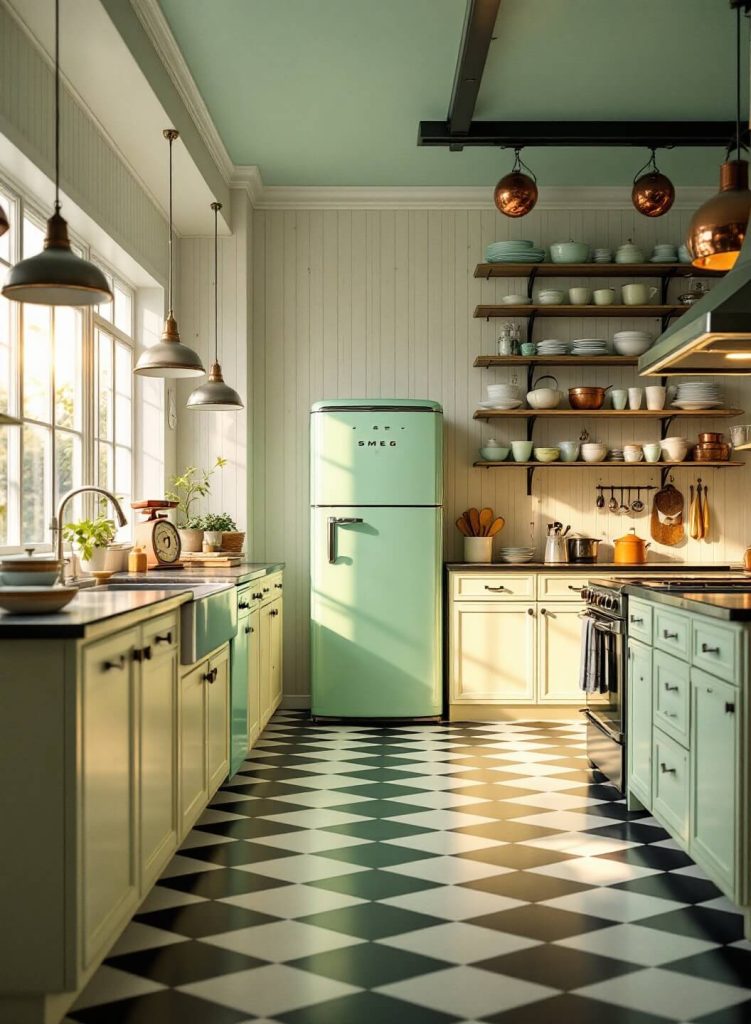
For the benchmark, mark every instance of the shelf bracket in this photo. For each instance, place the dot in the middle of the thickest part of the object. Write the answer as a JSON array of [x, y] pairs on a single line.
[[530, 476], [530, 427], [530, 324], [665, 426], [530, 283], [664, 284]]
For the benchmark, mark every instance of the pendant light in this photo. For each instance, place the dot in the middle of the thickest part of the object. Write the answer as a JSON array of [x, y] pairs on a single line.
[[8, 421], [652, 193], [215, 395], [4, 225], [56, 276], [169, 357], [717, 229], [516, 193]]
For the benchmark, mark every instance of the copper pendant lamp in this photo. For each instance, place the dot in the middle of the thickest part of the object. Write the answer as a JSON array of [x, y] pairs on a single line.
[[215, 395], [56, 276], [4, 225], [653, 192], [717, 229], [169, 357], [516, 193]]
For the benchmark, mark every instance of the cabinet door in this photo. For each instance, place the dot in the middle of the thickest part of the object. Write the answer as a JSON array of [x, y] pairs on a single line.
[[217, 715], [108, 856], [254, 676], [559, 645], [492, 656], [194, 789], [265, 662], [276, 637], [239, 693], [639, 732], [714, 777], [157, 759]]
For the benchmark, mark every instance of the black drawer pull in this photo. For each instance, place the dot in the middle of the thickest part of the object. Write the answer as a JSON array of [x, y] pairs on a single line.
[[258, 596], [665, 770], [498, 590], [729, 707], [243, 604], [671, 689], [576, 590], [166, 639], [668, 635], [274, 611], [279, 586], [706, 649], [636, 621], [118, 664], [248, 629], [210, 677], [670, 714], [266, 590]]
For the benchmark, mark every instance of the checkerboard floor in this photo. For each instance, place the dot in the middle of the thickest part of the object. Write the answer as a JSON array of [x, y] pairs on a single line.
[[409, 874]]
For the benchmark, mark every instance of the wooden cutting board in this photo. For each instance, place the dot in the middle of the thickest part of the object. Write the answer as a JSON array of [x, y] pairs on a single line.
[[668, 502]]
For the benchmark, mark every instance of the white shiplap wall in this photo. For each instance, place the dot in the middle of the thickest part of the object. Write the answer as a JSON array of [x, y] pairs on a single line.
[[361, 303], [202, 436]]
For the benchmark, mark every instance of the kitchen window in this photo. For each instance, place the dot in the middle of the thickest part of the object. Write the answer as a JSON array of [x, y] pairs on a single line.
[[67, 374]]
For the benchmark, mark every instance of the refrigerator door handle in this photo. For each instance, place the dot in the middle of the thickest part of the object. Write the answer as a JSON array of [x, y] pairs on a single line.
[[335, 521]]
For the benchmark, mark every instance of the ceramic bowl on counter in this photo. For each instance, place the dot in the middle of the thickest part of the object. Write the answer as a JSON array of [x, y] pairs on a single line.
[[29, 571], [35, 600], [569, 252], [547, 454], [494, 453]]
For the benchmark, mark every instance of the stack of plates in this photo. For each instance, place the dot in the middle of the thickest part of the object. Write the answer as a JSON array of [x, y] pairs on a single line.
[[589, 347], [552, 347], [517, 555], [502, 396], [616, 455], [603, 256], [697, 395], [519, 251], [664, 252]]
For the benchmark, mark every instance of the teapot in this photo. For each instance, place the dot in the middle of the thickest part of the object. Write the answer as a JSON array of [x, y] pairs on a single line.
[[697, 291], [630, 549]]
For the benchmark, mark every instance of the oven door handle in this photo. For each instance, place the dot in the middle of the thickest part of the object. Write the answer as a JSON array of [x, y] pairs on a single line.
[[612, 626], [617, 737]]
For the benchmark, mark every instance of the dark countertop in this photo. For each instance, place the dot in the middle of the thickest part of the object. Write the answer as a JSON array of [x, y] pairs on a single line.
[[728, 607], [236, 574], [86, 609], [595, 568]]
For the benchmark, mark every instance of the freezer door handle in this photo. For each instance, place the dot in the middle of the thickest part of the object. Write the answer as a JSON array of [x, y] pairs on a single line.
[[335, 521]]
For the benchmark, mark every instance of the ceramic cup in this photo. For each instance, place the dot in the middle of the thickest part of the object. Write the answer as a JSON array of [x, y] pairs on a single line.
[[633, 453], [604, 297], [569, 450], [578, 296], [637, 294], [528, 348], [656, 396], [651, 452], [521, 450], [634, 398], [619, 398], [478, 549]]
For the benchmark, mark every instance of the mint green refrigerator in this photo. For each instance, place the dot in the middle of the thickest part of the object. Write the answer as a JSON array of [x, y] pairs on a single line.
[[376, 528]]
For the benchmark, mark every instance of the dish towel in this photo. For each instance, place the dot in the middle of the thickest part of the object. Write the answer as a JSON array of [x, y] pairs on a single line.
[[588, 665]]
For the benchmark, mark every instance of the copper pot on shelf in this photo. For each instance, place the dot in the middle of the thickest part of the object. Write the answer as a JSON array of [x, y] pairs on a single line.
[[586, 398], [711, 438]]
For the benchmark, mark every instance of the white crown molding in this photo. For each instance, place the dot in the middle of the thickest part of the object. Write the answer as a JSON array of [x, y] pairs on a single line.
[[248, 177], [150, 15], [285, 197]]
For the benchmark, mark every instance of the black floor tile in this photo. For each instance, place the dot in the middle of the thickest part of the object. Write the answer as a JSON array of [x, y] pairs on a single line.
[[198, 920], [525, 885], [366, 1008], [546, 924], [183, 963], [671, 886], [159, 1008], [369, 965], [699, 923], [248, 828], [214, 885], [517, 855], [727, 964], [371, 920], [557, 967], [570, 1009], [659, 857]]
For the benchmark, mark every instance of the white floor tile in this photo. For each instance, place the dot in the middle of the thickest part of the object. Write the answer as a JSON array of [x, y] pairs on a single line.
[[304, 868], [467, 990], [442, 819], [580, 844], [566, 821], [109, 984], [162, 898], [444, 842], [282, 940], [460, 943], [536, 784], [595, 871], [268, 990], [139, 936], [532, 769], [656, 991], [198, 838], [212, 816], [309, 841], [525, 756], [436, 782], [429, 768], [453, 902], [636, 944], [228, 796], [447, 870], [293, 901], [316, 817], [440, 800], [180, 865], [320, 798], [554, 801], [614, 904]]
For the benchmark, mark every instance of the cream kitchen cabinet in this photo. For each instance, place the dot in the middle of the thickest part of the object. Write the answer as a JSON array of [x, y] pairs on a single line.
[[559, 631], [270, 649], [254, 674], [493, 653]]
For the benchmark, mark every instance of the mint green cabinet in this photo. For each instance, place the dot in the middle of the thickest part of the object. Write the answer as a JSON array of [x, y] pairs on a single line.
[[714, 775], [639, 704]]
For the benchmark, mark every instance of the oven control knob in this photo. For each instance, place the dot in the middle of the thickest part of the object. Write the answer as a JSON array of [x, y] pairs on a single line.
[[586, 593], [610, 603], [600, 600]]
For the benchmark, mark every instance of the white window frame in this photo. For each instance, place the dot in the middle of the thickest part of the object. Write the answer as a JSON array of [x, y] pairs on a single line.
[[25, 206]]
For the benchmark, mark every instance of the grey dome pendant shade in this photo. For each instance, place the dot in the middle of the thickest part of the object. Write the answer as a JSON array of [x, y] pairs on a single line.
[[169, 357], [56, 276], [215, 395], [4, 225]]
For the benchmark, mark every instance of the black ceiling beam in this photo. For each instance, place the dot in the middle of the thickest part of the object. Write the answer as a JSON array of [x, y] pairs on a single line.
[[479, 22], [508, 134]]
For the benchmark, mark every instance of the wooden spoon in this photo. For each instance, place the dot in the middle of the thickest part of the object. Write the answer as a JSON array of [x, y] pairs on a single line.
[[465, 517], [707, 517], [463, 527], [496, 526], [474, 521], [486, 518]]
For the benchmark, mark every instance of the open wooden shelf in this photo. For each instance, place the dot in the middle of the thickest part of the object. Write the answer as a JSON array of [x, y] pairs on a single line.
[[642, 414], [538, 309], [660, 270], [510, 464], [609, 360]]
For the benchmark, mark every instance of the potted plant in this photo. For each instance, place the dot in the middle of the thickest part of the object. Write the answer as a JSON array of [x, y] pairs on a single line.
[[189, 487], [91, 538], [222, 526]]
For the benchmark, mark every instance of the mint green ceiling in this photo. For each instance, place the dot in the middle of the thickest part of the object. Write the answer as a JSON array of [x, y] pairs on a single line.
[[330, 92]]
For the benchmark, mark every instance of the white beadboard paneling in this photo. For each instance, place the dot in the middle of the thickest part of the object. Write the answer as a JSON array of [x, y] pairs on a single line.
[[378, 303]]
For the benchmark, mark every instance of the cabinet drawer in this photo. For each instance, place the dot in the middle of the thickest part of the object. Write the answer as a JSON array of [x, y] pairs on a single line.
[[161, 634], [482, 586], [269, 587], [715, 649], [672, 632], [672, 695], [561, 587], [670, 783], [640, 620]]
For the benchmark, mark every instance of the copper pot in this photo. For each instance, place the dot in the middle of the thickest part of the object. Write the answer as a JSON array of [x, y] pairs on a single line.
[[711, 453], [586, 398], [710, 438]]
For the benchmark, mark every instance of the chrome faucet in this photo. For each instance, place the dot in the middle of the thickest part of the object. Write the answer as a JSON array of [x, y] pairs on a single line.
[[57, 520]]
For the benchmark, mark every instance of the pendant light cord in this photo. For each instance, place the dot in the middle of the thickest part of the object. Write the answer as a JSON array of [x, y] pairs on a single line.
[[216, 207], [57, 106], [169, 297], [738, 81]]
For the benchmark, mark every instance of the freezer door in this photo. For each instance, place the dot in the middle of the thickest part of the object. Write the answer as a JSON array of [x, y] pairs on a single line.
[[376, 456], [376, 612]]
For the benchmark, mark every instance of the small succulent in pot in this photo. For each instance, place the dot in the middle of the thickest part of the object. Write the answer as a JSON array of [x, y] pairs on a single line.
[[91, 537], [214, 525]]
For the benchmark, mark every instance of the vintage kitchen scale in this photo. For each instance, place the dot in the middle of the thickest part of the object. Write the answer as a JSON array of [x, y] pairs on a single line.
[[157, 535]]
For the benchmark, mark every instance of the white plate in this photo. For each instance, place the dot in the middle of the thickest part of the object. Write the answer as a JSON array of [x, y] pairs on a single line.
[[504, 406], [695, 406]]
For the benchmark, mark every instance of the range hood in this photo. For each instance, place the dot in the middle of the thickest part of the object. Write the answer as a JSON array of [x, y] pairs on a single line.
[[714, 335]]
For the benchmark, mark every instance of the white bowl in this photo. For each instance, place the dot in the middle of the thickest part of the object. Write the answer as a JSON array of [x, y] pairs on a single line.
[[514, 300], [594, 456], [544, 398], [631, 346], [552, 298]]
